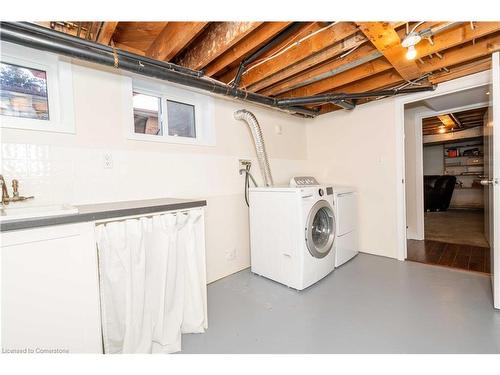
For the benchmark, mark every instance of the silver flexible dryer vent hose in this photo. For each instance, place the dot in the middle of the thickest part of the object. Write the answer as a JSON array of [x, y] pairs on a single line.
[[258, 140]]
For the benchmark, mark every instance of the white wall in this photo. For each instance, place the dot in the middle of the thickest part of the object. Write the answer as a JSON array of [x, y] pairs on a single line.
[[358, 148], [413, 172], [433, 160], [364, 148], [58, 167]]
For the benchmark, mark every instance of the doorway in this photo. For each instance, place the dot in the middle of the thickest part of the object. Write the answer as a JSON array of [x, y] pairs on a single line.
[[444, 155]]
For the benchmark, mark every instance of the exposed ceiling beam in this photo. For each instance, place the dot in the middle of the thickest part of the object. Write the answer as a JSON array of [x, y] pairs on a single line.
[[462, 54], [462, 70], [457, 121], [455, 37], [260, 36], [306, 29], [138, 35], [380, 81], [470, 117], [328, 53], [106, 32], [447, 121], [385, 38], [361, 55], [299, 51], [217, 39], [355, 74], [173, 38], [127, 48]]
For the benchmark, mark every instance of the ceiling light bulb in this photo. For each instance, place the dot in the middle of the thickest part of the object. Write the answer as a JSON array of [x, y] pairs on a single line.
[[411, 53], [411, 39], [442, 129]]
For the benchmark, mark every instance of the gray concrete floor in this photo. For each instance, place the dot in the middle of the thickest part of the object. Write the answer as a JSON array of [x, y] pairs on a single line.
[[370, 305]]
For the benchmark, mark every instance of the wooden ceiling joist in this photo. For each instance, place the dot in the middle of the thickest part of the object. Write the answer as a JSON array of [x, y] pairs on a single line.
[[217, 39], [455, 37], [385, 38], [447, 121], [460, 71], [328, 53], [312, 58], [355, 74], [127, 48], [359, 56], [260, 36], [453, 121], [377, 82], [106, 32], [306, 29], [461, 54], [138, 35], [311, 45], [173, 38]]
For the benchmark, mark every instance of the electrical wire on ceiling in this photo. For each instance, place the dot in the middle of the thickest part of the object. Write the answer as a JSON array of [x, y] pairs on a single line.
[[290, 42], [349, 52], [415, 82], [414, 27], [285, 49]]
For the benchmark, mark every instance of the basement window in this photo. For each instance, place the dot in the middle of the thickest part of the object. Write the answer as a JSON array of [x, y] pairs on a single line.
[[147, 114], [23, 92], [36, 90], [164, 113], [181, 119]]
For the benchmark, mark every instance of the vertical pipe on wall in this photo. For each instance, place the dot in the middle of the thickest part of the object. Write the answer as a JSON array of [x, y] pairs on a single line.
[[258, 139]]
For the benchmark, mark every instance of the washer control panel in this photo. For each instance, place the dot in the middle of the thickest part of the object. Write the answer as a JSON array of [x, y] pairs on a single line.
[[303, 181]]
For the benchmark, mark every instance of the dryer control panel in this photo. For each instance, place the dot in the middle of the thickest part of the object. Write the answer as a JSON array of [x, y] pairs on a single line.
[[303, 181]]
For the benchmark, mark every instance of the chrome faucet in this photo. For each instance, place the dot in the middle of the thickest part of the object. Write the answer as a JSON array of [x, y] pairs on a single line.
[[6, 199]]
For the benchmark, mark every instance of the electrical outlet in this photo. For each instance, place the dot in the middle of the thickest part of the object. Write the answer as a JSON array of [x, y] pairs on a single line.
[[230, 254], [107, 160]]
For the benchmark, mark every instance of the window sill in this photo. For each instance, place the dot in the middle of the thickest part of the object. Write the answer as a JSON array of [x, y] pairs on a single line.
[[170, 139]]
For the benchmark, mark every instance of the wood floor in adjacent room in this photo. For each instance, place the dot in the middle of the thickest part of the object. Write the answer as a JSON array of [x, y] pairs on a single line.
[[463, 227], [466, 257]]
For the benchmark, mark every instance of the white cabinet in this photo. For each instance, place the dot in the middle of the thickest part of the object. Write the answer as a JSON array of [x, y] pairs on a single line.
[[50, 289]]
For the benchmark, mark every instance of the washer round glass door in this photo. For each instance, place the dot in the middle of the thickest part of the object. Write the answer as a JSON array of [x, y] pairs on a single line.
[[320, 229]]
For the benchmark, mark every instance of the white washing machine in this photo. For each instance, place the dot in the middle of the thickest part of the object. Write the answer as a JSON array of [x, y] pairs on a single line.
[[345, 199], [292, 233]]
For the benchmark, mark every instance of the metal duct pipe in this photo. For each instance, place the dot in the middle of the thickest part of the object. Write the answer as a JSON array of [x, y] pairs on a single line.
[[275, 41], [52, 41], [345, 104], [37, 29], [427, 33], [258, 140], [337, 98]]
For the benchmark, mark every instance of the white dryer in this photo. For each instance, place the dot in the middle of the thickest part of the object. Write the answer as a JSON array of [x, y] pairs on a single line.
[[292, 233], [345, 199]]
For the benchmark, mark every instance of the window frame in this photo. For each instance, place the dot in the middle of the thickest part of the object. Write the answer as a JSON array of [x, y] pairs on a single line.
[[195, 117], [160, 112], [203, 113], [59, 89]]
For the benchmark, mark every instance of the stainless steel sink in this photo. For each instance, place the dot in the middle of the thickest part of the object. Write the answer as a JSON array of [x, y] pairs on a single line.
[[28, 212]]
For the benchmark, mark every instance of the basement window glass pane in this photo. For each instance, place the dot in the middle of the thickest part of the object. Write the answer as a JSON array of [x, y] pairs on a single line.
[[147, 114], [181, 121], [23, 92]]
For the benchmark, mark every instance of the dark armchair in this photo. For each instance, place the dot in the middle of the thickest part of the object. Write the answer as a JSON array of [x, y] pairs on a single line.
[[438, 191]]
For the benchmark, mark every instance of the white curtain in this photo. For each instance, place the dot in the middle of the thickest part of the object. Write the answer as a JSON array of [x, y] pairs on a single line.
[[152, 282]]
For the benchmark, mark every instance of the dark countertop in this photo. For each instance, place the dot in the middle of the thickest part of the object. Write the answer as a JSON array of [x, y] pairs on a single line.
[[103, 211]]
